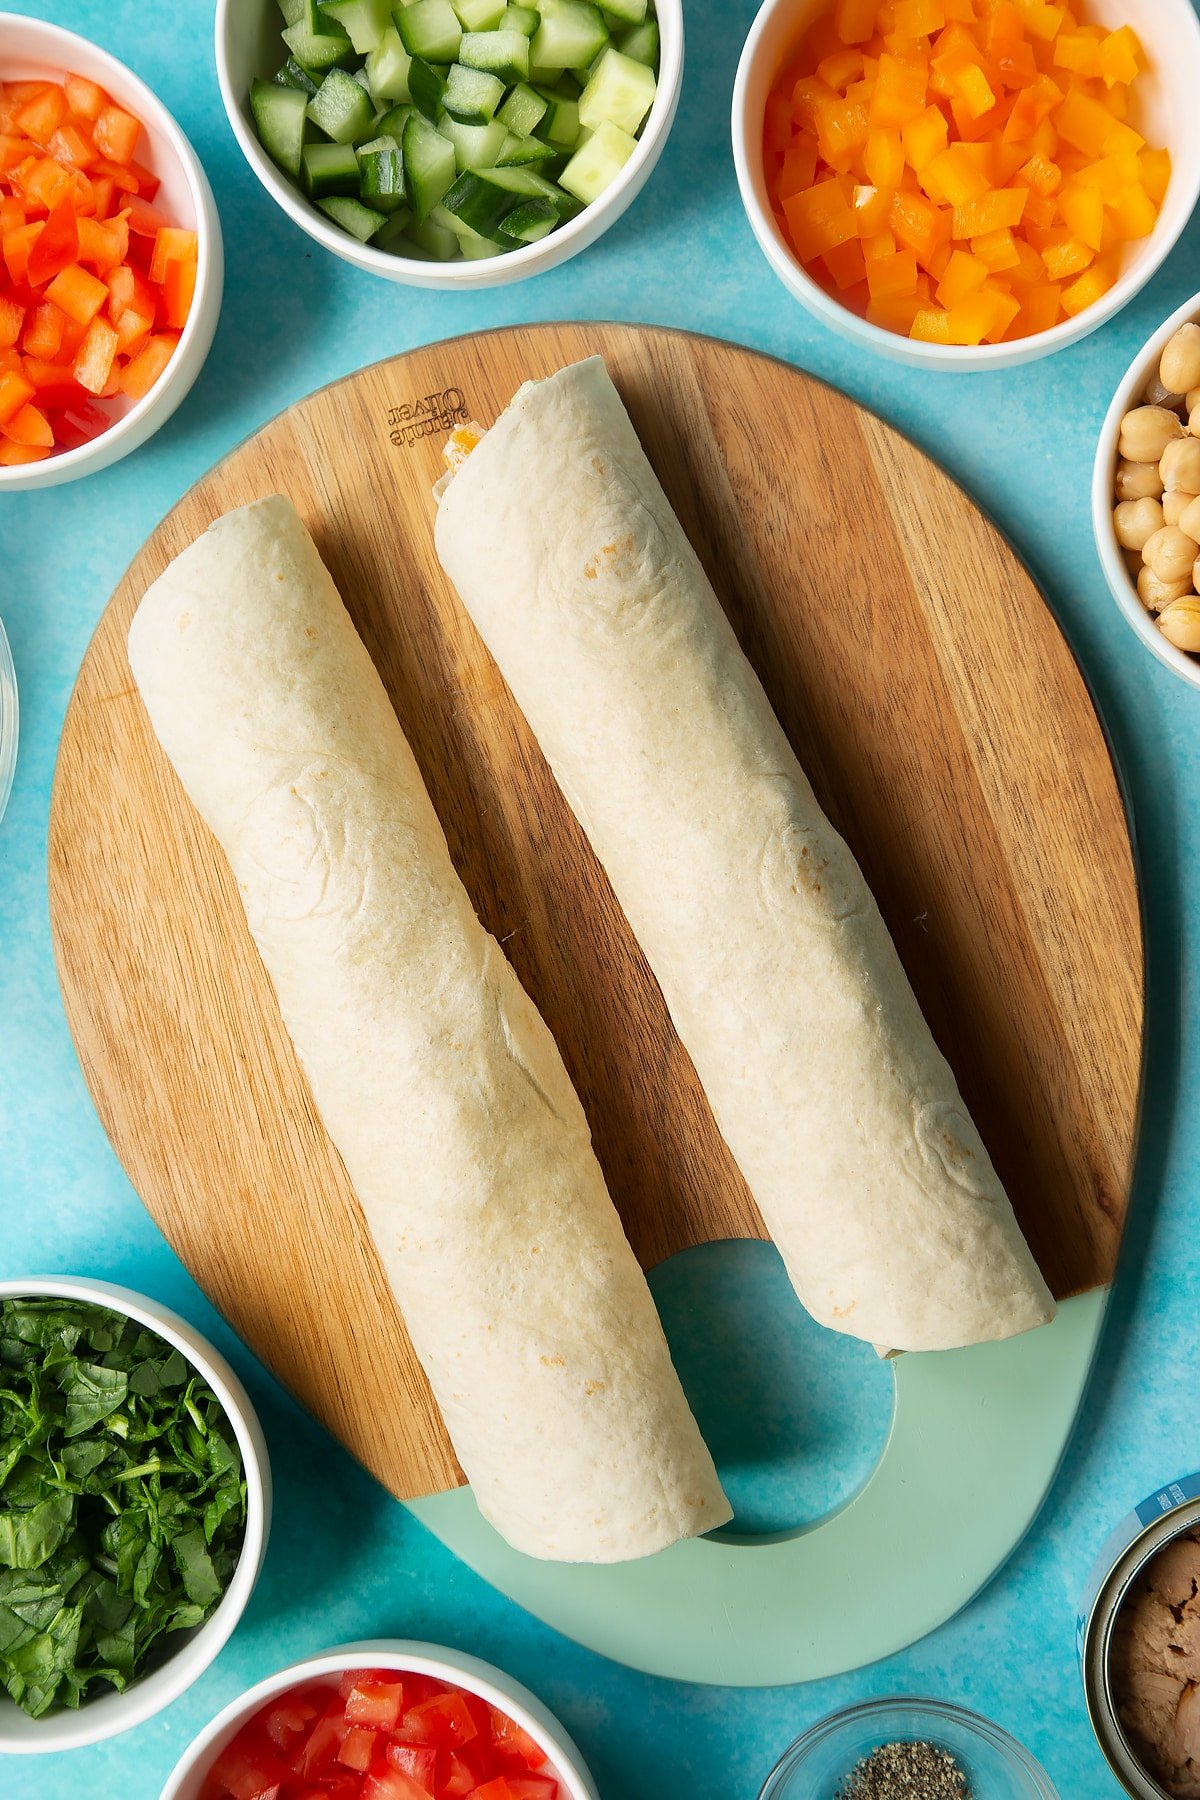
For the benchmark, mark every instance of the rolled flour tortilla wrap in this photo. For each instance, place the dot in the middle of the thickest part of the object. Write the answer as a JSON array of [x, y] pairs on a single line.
[[435, 1075], [778, 970]]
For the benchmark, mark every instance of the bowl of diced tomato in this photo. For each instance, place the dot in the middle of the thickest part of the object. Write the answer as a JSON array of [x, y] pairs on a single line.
[[391, 1720], [111, 266], [967, 184]]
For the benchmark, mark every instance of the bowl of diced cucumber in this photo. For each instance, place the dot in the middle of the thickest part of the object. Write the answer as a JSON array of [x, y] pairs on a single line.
[[451, 143]]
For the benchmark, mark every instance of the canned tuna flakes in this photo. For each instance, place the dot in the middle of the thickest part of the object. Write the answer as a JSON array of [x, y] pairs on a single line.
[[1139, 1645]]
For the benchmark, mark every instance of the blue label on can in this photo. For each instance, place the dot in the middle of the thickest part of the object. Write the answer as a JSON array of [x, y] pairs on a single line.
[[1167, 1500]]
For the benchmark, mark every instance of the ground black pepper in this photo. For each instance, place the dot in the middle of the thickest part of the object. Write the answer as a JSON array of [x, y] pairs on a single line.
[[906, 1771]]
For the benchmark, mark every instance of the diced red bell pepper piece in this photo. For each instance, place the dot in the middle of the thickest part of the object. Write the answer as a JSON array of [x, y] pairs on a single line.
[[95, 356], [77, 293], [29, 426], [57, 246], [12, 320], [116, 134], [85, 98], [42, 116]]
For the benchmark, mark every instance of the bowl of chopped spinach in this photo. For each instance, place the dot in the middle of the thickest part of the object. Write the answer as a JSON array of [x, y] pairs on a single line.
[[134, 1506]]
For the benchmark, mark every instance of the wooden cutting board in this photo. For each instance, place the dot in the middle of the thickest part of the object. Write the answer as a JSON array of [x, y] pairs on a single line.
[[927, 692]]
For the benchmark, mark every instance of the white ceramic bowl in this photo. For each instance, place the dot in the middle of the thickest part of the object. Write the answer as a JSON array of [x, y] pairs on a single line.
[[187, 1777], [1165, 112], [192, 1652], [31, 50], [1112, 558], [9, 720], [248, 44]]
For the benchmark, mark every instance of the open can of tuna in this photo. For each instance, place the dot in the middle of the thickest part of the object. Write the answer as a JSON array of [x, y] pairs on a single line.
[[1138, 1634]]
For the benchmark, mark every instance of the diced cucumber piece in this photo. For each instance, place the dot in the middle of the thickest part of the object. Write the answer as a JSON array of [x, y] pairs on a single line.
[[560, 124], [391, 124], [524, 152], [523, 110], [598, 162], [387, 68], [524, 19], [641, 43], [571, 35], [479, 15], [317, 51], [293, 10], [621, 90], [568, 85], [531, 220], [426, 85], [329, 169], [434, 240], [429, 169], [362, 222], [360, 75], [393, 235], [471, 95], [504, 54], [475, 146], [381, 175], [341, 108], [469, 242], [483, 198], [429, 29], [279, 115], [293, 75], [625, 12], [363, 21]]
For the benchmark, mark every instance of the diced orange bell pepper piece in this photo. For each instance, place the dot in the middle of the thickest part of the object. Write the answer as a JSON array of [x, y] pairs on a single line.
[[77, 293], [997, 250], [1087, 288], [1040, 174], [931, 325], [85, 98], [1083, 123], [1078, 53], [841, 131], [116, 134], [986, 314], [15, 392], [179, 282], [918, 18], [845, 264], [1041, 19], [840, 69], [854, 20], [799, 166], [959, 176], [56, 246], [900, 90], [139, 376], [924, 137], [1081, 210], [1134, 214], [1120, 56], [891, 275], [964, 273], [29, 426], [1003, 206], [918, 224], [883, 158], [43, 332], [1062, 260], [972, 91], [13, 454], [94, 359], [872, 206], [819, 220]]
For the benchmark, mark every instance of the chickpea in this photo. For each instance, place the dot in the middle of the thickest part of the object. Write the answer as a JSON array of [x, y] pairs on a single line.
[[1136, 521], [1171, 553], [1189, 521], [1155, 594], [1179, 368], [1138, 481], [1158, 395], [1191, 399], [1179, 622], [1174, 505], [1193, 419], [1180, 465], [1146, 432]]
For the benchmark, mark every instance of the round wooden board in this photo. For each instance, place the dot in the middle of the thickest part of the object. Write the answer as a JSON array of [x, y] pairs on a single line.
[[926, 689]]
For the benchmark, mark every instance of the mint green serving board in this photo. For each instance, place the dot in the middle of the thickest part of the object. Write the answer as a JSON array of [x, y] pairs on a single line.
[[948, 732]]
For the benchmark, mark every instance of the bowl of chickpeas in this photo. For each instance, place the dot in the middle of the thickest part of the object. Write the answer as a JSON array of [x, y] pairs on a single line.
[[1146, 494]]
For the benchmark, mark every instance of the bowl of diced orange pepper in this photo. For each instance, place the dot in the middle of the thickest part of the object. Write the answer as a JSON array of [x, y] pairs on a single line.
[[967, 184], [111, 266]]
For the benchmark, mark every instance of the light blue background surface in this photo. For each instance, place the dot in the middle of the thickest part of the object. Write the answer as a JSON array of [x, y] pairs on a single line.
[[345, 1562]]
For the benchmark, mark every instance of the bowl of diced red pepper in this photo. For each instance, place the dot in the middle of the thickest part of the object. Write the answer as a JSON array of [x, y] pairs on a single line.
[[111, 266], [383, 1721]]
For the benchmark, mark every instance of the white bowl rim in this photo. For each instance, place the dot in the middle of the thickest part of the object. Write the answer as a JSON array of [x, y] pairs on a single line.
[[157, 121], [1112, 560], [530, 258], [420, 1658], [149, 1694], [965, 358]]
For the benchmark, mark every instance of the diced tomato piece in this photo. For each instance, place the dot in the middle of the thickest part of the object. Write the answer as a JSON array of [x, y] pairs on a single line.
[[85, 98], [373, 1702], [56, 247], [116, 134], [15, 391], [171, 245], [357, 1748], [244, 1771], [392, 1784], [29, 426], [12, 454], [290, 1716], [446, 1718], [77, 293], [417, 1760], [458, 1782], [509, 1737], [321, 1746], [95, 356], [518, 1787], [42, 116]]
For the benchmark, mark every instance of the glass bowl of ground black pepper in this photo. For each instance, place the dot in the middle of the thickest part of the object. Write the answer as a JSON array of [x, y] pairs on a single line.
[[901, 1748]]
